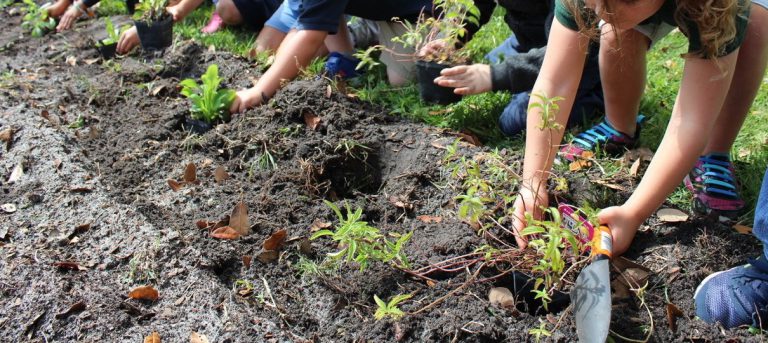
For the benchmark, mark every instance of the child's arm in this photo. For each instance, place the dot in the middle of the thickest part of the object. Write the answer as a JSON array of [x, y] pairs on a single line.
[[182, 9], [702, 93], [294, 54], [560, 76]]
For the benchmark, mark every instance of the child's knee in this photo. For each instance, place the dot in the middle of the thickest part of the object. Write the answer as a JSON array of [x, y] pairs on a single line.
[[229, 12]]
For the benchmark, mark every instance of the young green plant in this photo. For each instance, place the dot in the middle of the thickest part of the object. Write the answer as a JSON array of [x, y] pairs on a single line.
[[113, 33], [151, 10], [209, 103], [389, 309], [36, 20], [361, 242]]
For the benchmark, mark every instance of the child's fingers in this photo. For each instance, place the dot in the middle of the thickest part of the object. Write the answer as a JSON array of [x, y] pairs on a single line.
[[453, 71]]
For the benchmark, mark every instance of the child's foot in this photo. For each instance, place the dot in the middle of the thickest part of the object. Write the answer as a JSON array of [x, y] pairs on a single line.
[[601, 136], [341, 65], [215, 24], [713, 184], [735, 297]]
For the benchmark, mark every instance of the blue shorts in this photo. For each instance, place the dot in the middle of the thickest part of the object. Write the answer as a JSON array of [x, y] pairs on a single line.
[[284, 19]]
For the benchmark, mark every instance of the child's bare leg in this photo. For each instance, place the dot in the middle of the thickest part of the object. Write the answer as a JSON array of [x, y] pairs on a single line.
[[229, 12], [58, 8], [340, 42], [269, 39], [622, 72], [749, 73]]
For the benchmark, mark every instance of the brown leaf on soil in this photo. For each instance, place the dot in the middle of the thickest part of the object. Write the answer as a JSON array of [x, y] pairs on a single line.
[[579, 165], [502, 297], [144, 293], [633, 277], [586, 154], [743, 229], [267, 256], [318, 225], [91, 60], [204, 224], [610, 185], [399, 202], [247, 261], [76, 307], [198, 338], [635, 168], [190, 173], [175, 185], [430, 219], [671, 215], [222, 223], [220, 174], [470, 138], [238, 220], [7, 136], [153, 338], [66, 265], [225, 232], [16, 174], [305, 247], [622, 263], [311, 120], [157, 90], [437, 145], [672, 314], [71, 60], [80, 189], [620, 290], [276, 240]]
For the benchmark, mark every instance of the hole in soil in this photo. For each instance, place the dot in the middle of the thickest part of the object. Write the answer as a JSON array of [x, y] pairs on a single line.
[[348, 175], [227, 270], [521, 286]]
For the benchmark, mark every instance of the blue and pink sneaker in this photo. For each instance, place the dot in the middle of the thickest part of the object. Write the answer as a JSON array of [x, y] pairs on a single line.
[[601, 136], [713, 184], [735, 297]]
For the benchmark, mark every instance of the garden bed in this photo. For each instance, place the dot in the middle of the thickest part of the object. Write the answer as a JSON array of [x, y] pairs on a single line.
[[98, 141]]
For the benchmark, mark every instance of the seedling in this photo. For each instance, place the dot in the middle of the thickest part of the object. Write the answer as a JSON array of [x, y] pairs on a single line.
[[113, 33], [389, 309], [351, 148], [36, 20], [540, 332], [151, 10], [209, 103], [361, 242]]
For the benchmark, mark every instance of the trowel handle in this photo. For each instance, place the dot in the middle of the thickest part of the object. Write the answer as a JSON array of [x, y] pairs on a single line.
[[602, 242]]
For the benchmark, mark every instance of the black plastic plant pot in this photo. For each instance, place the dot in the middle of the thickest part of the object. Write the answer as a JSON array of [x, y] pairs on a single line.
[[197, 126], [107, 51], [426, 72], [155, 35]]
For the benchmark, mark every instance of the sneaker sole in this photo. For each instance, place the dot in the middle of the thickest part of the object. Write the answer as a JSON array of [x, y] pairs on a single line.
[[709, 277]]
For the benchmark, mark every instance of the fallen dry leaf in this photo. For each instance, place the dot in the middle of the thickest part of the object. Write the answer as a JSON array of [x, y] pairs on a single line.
[[399, 202], [305, 247], [220, 174], [610, 185], [318, 225], [153, 338], [144, 293], [198, 338], [225, 232], [587, 154], [247, 261], [620, 290], [238, 220], [579, 165], [328, 91], [267, 256], [204, 224], [71, 60], [311, 120], [437, 145], [16, 174], [157, 90], [175, 185], [8, 208], [76, 307], [91, 60], [633, 277], [276, 240], [190, 173], [502, 297], [671, 215], [69, 266], [743, 229], [429, 219], [7, 136], [470, 138], [672, 314]]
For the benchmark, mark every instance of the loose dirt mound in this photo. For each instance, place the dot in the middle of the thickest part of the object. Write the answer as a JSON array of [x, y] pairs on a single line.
[[98, 141]]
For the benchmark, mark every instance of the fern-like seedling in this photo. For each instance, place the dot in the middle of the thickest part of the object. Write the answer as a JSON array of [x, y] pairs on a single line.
[[209, 103]]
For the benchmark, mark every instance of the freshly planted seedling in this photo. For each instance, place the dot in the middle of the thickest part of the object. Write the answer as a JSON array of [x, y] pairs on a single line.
[[36, 20], [361, 242], [113, 33], [151, 10], [389, 309], [209, 103]]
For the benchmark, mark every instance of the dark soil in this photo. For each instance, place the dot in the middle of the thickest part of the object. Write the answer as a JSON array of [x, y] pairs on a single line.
[[97, 195]]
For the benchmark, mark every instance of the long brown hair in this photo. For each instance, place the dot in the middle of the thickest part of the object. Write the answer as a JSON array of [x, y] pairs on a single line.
[[715, 21]]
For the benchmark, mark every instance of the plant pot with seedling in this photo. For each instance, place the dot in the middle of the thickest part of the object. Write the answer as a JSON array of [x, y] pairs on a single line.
[[107, 47], [210, 105], [154, 26]]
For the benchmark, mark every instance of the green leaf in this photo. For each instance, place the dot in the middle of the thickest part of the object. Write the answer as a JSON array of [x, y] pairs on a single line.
[[379, 302], [321, 233], [533, 230]]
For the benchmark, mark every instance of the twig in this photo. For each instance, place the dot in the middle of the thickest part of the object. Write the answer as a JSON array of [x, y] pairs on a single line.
[[441, 299]]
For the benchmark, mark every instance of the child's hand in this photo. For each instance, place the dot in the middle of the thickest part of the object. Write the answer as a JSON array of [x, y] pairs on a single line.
[[432, 48], [623, 224], [176, 12], [128, 40], [527, 202], [69, 17], [471, 79], [245, 99]]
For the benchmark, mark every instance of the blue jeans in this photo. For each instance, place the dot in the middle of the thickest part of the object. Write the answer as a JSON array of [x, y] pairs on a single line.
[[760, 229], [587, 104]]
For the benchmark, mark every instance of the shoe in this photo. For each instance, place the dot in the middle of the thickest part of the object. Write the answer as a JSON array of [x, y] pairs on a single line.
[[215, 24], [601, 136], [713, 184], [341, 65], [735, 297]]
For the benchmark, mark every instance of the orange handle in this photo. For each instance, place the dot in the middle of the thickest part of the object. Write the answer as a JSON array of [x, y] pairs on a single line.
[[602, 242]]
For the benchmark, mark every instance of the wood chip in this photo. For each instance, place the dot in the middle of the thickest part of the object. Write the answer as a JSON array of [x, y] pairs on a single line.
[[635, 168], [144, 293], [196, 337], [311, 120], [671, 215], [8, 208], [153, 338], [16, 174], [501, 297]]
